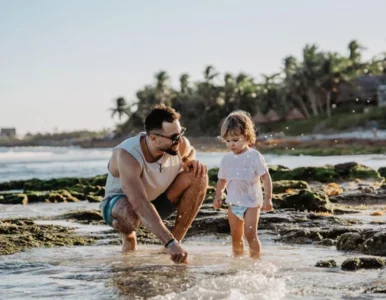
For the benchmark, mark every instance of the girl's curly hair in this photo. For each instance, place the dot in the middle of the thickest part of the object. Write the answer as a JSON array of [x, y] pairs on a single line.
[[239, 123]]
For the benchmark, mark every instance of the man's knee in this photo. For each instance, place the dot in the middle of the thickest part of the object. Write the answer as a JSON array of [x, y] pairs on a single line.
[[125, 219], [200, 182]]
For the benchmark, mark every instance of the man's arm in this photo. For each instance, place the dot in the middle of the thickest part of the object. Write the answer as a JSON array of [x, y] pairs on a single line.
[[188, 155]]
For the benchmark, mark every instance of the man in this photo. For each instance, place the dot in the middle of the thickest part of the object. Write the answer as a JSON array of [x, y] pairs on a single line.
[[149, 177]]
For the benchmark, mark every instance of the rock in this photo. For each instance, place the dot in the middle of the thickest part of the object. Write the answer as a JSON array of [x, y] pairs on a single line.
[[13, 199], [376, 290], [301, 236], [212, 224], [350, 241], [12, 185], [382, 171], [353, 170], [327, 242], [307, 200], [282, 186], [86, 216], [94, 198], [376, 245], [326, 263], [358, 197], [309, 174], [353, 264], [274, 169], [335, 232], [212, 174], [18, 235]]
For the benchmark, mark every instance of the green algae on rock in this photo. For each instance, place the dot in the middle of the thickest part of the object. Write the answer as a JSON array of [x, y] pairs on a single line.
[[353, 264], [326, 264], [20, 234], [281, 186], [307, 200]]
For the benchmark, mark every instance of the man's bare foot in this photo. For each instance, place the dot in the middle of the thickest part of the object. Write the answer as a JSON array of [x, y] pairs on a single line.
[[129, 242]]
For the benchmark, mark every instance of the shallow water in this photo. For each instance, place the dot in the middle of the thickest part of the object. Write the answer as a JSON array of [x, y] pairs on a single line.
[[102, 272], [18, 163]]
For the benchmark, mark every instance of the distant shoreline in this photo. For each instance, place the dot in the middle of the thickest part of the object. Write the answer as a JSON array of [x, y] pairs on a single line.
[[284, 146]]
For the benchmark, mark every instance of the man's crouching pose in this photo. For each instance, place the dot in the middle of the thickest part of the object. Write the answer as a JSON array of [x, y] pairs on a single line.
[[152, 175]]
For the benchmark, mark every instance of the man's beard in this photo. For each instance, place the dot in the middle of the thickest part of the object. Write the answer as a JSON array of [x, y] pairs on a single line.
[[170, 150]]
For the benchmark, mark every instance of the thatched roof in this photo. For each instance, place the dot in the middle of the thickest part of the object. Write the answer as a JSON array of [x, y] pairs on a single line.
[[363, 87], [294, 114], [272, 116], [259, 118]]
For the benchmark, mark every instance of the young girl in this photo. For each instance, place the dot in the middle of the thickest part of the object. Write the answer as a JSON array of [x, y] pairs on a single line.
[[240, 172]]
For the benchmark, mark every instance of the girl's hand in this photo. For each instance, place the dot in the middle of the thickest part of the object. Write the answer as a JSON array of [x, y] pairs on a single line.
[[217, 203], [267, 205]]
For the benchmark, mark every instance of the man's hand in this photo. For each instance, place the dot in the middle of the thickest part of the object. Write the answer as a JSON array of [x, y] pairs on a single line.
[[178, 254], [199, 170], [217, 203], [267, 205]]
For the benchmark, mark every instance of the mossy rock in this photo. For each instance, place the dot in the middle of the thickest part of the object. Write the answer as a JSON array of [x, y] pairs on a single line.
[[12, 185], [212, 174], [353, 264], [277, 168], [98, 180], [307, 200], [19, 235], [34, 197], [86, 216], [350, 241], [382, 171], [353, 170], [51, 184], [326, 264], [301, 236], [282, 186], [14, 199], [376, 245], [94, 198], [309, 174]]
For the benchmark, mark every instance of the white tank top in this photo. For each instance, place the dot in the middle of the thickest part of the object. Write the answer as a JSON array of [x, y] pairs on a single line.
[[155, 182]]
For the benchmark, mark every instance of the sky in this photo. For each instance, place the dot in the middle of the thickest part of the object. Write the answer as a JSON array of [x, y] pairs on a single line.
[[62, 63]]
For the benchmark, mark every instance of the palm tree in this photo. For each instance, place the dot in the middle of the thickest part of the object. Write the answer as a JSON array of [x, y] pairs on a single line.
[[120, 108], [229, 92], [355, 54], [184, 85], [162, 90], [268, 95], [333, 76], [210, 74], [311, 70]]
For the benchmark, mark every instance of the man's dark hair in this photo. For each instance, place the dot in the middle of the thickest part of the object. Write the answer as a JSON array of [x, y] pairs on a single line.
[[159, 114]]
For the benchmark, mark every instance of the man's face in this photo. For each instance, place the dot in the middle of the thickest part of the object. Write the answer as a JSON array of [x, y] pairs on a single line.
[[169, 138]]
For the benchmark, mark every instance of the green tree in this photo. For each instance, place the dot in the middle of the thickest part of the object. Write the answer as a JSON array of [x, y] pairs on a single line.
[[120, 108]]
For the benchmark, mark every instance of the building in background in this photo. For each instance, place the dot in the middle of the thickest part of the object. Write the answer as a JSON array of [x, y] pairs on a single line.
[[8, 132]]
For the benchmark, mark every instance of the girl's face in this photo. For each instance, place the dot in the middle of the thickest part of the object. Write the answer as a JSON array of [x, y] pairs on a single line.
[[236, 143]]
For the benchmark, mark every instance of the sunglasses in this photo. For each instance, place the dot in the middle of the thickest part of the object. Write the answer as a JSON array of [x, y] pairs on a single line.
[[175, 137]]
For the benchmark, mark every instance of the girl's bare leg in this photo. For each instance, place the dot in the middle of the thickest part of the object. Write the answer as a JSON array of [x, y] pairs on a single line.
[[251, 220], [236, 232]]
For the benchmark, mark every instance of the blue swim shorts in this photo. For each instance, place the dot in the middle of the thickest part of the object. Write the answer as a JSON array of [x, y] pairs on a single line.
[[162, 204], [239, 211]]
